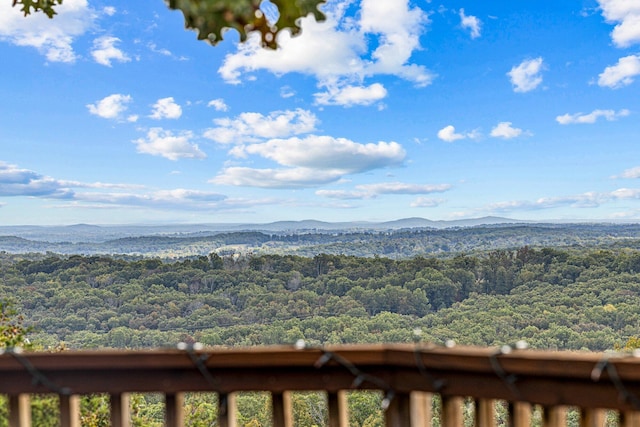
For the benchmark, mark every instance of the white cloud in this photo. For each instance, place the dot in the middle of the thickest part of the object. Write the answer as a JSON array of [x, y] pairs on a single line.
[[370, 191], [621, 74], [166, 108], [286, 92], [344, 195], [309, 162], [403, 188], [104, 51], [275, 178], [328, 153], [609, 115], [505, 130], [218, 104], [342, 51], [471, 23], [160, 142], [52, 37], [626, 13], [15, 181], [426, 202], [110, 107], [109, 10], [526, 76], [251, 127], [351, 95], [448, 133], [632, 173]]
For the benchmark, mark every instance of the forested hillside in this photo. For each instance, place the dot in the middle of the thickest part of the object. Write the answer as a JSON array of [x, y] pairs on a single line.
[[391, 243], [554, 298]]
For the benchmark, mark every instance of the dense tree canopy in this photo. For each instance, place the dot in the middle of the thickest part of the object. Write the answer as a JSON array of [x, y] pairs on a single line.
[[211, 17]]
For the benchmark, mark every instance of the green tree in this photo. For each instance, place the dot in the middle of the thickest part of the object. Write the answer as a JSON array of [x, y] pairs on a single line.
[[209, 18]]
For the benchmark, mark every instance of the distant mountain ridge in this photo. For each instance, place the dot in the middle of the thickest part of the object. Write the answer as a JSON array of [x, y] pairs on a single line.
[[100, 233]]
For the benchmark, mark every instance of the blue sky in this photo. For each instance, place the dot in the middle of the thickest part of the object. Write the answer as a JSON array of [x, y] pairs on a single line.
[[113, 113]]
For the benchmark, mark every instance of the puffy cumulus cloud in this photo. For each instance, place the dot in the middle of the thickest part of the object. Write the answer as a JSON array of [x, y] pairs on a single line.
[[344, 49], [52, 37], [251, 127], [166, 108], [109, 10], [626, 193], [426, 202], [448, 134], [104, 51], [329, 153], [15, 181], [505, 130], [110, 107], [160, 142], [275, 178], [591, 117], [470, 23], [218, 104], [621, 74], [525, 76], [351, 95], [626, 15], [309, 162]]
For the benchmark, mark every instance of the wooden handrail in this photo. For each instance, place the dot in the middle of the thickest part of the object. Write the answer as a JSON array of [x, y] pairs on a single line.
[[550, 379]]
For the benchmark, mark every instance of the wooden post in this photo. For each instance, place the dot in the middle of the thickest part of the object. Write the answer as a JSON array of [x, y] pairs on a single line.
[[398, 414], [174, 410], [120, 410], [592, 417], [421, 409], [555, 416], [282, 407], [69, 410], [227, 410], [485, 413], [629, 419], [20, 410], [338, 409], [452, 411], [520, 414]]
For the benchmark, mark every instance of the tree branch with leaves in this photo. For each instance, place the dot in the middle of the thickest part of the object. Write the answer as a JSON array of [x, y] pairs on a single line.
[[210, 18]]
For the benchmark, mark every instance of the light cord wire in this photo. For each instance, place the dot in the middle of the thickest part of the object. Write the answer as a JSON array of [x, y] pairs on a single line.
[[38, 378]]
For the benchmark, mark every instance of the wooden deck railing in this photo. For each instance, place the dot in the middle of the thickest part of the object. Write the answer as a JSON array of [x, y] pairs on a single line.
[[408, 375]]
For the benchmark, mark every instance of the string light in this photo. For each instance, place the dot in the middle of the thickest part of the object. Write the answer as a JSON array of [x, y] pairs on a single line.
[[199, 361], [508, 379]]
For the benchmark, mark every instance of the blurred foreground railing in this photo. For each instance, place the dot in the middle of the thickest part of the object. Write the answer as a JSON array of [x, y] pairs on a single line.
[[408, 376]]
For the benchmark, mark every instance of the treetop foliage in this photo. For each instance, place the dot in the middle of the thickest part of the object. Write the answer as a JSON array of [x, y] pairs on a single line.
[[211, 17]]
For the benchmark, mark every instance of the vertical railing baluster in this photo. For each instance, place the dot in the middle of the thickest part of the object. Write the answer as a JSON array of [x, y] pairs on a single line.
[[592, 417], [629, 419], [398, 414], [555, 416], [120, 410], [282, 407], [69, 410], [227, 410], [20, 410], [519, 414], [338, 409], [452, 411], [485, 413], [174, 410], [421, 403]]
